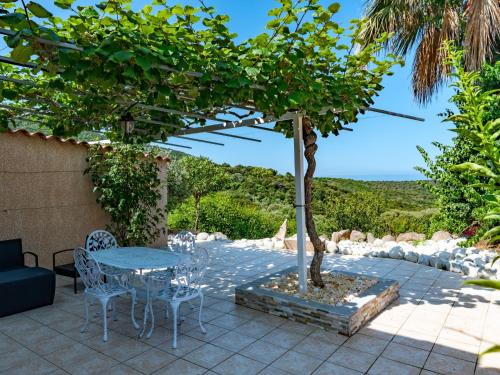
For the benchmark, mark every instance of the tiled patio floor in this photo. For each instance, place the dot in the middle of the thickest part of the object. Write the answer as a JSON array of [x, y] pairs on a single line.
[[436, 327]]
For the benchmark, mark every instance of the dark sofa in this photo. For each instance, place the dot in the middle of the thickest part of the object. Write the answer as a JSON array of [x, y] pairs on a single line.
[[22, 288]]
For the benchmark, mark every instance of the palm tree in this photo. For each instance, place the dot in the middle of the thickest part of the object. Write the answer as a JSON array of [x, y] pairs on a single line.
[[426, 24]]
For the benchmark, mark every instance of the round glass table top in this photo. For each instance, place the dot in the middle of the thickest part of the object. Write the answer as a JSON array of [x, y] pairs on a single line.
[[137, 258]]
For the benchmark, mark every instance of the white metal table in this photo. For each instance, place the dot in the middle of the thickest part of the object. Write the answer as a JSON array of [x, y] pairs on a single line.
[[141, 259]]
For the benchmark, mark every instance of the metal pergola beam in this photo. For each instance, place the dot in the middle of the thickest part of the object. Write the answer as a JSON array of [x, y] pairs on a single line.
[[235, 136], [395, 114], [171, 144], [198, 140], [180, 113], [155, 122]]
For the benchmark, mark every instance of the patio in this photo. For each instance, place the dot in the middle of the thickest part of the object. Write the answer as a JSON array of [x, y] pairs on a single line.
[[435, 327]]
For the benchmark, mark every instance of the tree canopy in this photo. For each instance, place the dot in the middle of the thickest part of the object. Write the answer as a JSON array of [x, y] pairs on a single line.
[[183, 58]]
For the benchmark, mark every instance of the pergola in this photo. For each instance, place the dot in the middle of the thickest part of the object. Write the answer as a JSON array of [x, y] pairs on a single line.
[[215, 121]]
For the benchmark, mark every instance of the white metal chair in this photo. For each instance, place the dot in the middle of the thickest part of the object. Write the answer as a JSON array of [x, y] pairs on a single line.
[[184, 286], [96, 288], [100, 240], [184, 242]]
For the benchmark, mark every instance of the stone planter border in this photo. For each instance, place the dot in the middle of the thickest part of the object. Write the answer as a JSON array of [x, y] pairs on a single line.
[[346, 319]]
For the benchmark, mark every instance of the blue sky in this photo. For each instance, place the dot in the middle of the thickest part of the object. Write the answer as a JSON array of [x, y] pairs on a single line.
[[380, 147]]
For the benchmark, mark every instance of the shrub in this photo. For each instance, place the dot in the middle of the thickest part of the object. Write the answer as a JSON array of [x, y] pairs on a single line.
[[398, 221], [361, 211], [223, 212], [128, 188]]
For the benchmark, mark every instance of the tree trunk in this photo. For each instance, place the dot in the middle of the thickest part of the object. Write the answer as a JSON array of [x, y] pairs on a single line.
[[197, 202], [310, 148]]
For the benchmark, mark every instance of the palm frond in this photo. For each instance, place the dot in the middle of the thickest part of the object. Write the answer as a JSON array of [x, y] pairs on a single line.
[[429, 68], [481, 31], [404, 18]]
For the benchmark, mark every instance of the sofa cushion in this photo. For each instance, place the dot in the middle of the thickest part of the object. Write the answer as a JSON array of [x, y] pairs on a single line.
[[16, 274], [11, 253], [25, 288]]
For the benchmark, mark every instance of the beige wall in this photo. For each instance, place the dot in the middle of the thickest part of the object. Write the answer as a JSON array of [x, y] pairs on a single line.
[[44, 197]]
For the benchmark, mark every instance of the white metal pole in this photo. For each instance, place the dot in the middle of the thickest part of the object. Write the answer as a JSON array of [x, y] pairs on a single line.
[[299, 201]]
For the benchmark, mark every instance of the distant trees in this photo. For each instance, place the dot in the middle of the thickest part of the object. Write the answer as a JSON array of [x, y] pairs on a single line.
[[196, 177]]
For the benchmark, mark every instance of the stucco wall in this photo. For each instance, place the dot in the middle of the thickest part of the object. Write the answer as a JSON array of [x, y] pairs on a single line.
[[44, 197]]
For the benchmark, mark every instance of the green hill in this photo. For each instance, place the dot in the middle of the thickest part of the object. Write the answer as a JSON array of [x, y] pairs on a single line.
[[337, 203]]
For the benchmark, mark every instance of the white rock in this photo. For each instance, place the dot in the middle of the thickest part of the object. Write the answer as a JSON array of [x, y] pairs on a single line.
[[267, 243], [219, 236], [390, 244], [480, 261], [388, 238], [469, 269], [211, 237], [346, 250], [444, 255], [423, 259], [441, 236], [411, 256], [331, 247], [378, 242], [396, 252], [455, 266], [279, 244], [357, 236]]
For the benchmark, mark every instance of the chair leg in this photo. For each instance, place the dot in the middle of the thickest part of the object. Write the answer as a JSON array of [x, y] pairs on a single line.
[[199, 314], [175, 310], [86, 310], [113, 309], [104, 302], [150, 332], [132, 310]]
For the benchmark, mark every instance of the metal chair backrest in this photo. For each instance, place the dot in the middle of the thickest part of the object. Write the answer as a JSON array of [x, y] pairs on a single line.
[[184, 242], [100, 240], [88, 268], [188, 278]]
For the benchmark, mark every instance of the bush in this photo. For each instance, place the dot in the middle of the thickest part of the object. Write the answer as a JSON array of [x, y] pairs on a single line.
[[223, 212], [360, 211], [128, 187], [398, 221]]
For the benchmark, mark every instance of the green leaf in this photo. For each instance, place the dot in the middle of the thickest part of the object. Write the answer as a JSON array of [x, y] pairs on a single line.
[[143, 62], [493, 349], [63, 4], [38, 10], [251, 71], [334, 7], [296, 98], [12, 18], [475, 168], [495, 284], [22, 53], [121, 56], [13, 41], [9, 94]]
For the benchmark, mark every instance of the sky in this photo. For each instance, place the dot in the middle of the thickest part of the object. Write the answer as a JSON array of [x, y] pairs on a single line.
[[381, 147]]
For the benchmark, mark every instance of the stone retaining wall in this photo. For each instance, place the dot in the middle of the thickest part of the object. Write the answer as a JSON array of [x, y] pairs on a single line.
[[346, 319]]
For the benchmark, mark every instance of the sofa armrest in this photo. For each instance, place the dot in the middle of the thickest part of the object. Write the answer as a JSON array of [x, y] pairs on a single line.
[[58, 252], [34, 255]]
